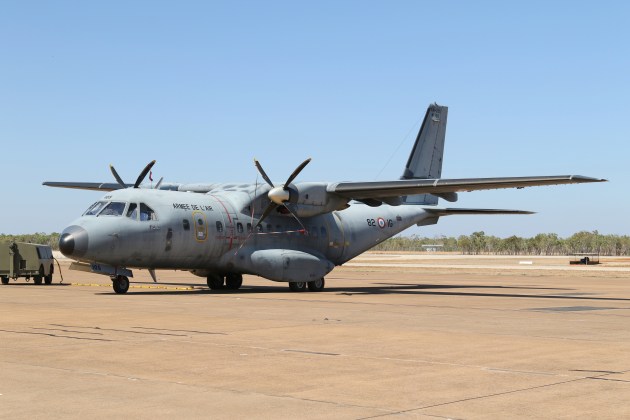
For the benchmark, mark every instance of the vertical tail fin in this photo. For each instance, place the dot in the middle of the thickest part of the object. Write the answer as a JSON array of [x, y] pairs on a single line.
[[425, 160]]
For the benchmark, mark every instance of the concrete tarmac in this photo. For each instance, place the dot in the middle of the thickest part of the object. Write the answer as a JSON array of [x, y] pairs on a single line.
[[392, 336]]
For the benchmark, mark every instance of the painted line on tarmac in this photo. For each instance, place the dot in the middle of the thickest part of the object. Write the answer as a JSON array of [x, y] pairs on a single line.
[[131, 287]]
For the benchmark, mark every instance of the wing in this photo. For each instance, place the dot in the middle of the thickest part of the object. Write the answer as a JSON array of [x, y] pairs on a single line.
[[389, 189], [94, 186]]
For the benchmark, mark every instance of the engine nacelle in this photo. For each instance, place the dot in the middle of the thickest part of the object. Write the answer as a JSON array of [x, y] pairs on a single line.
[[311, 199]]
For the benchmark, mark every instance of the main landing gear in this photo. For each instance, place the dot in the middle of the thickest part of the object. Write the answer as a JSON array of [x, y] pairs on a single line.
[[121, 284], [312, 286], [231, 281]]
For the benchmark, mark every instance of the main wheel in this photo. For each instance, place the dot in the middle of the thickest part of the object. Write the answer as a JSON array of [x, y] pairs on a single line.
[[297, 286], [316, 285], [120, 284], [233, 281], [5, 280], [215, 281]]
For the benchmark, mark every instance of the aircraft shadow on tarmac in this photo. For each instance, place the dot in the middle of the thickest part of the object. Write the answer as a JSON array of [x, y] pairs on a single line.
[[383, 289]]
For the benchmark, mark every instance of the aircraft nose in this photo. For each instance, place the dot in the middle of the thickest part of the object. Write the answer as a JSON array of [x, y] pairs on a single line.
[[73, 241]]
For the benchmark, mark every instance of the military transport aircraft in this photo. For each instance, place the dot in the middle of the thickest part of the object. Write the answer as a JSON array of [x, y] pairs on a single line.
[[294, 232]]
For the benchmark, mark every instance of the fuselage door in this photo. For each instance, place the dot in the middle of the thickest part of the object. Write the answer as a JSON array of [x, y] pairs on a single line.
[[336, 236]]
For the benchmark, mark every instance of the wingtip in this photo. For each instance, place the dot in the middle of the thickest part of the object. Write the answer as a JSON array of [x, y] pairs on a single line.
[[582, 178]]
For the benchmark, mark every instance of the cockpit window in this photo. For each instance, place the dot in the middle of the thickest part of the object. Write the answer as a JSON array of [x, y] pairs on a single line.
[[147, 213], [95, 208], [132, 211], [115, 208]]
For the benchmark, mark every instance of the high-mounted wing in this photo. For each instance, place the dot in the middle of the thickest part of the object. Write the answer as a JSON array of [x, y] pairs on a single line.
[[104, 186], [389, 189], [94, 186]]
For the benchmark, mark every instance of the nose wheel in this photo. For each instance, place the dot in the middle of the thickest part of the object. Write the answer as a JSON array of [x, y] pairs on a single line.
[[120, 284]]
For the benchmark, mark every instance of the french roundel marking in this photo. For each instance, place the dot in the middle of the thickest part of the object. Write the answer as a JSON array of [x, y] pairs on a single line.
[[381, 222]]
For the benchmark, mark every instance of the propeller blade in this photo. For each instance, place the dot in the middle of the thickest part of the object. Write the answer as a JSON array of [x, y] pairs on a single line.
[[296, 173], [262, 172], [118, 178], [271, 207], [157, 186], [144, 173], [292, 210]]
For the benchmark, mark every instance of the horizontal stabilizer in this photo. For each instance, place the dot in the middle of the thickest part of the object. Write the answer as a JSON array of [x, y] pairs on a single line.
[[448, 212]]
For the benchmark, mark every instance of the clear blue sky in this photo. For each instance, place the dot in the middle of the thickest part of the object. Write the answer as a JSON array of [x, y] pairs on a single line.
[[534, 88]]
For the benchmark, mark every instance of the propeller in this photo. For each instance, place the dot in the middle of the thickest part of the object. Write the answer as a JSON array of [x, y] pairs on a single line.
[[141, 177], [281, 195]]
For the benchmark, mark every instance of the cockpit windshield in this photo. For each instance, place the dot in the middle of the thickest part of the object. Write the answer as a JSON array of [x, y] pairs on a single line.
[[147, 213], [141, 211], [134, 211], [114, 208], [95, 208]]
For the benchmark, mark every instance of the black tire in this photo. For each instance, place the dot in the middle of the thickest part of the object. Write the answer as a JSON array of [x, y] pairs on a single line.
[[233, 281], [120, 284], [38, 278], [297, 286], [316, 285], [5, 280], [49, 278], [215, 281]]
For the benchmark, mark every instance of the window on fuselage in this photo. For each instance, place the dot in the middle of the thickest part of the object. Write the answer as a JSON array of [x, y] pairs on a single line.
[[132, 211], [239, 227], [147, 213], [186, 224], [259, 228], [219, 227], [114, 208], [95, 208]]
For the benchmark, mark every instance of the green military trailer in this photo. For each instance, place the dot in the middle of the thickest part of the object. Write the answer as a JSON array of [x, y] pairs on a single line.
[[19, 259]]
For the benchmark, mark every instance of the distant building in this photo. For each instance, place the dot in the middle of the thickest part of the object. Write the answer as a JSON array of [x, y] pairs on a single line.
[[432, 248]]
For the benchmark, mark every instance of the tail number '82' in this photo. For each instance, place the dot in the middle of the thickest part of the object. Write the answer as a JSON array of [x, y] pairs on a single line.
[[380, 222]]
